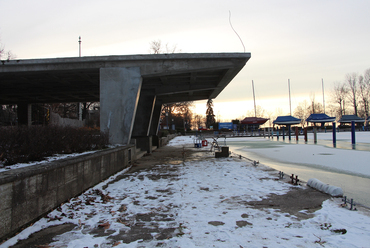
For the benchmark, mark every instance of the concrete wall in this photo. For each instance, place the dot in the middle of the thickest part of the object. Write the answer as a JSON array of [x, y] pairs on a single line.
[[159, 142], [30, 192], [56, 120]]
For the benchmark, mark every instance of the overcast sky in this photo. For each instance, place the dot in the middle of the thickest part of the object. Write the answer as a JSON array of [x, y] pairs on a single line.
[[304, 41]]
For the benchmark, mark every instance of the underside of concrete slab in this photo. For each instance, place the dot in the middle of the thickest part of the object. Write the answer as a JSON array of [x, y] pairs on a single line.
[[131, 89]]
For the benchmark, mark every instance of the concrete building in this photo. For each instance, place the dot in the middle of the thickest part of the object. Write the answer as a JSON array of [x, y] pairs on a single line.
[[131, 89]]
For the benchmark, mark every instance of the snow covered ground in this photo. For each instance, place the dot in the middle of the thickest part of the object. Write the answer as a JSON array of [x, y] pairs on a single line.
[[204, 202]]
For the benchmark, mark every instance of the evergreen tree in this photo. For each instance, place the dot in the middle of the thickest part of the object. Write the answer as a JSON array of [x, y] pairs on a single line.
[[210, 117]]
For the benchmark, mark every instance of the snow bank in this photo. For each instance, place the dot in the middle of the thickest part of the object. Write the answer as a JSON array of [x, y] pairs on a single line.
[[326, 188]]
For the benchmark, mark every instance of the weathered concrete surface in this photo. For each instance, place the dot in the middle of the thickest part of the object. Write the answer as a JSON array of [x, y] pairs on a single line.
[[28, 193], [119, 96]]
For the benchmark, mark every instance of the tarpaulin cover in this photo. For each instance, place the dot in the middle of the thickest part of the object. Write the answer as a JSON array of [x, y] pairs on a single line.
[[320, 118], [286, 120], [350, 118], [253, 120]]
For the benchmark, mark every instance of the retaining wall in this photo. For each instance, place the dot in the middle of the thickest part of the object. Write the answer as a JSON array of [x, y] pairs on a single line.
[[30, 192]]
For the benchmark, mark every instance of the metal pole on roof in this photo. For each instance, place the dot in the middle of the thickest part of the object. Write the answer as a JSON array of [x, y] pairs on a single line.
[[79, 104]]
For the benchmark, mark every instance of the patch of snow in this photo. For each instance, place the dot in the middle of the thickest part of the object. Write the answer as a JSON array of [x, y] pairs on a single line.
[[323, 187]]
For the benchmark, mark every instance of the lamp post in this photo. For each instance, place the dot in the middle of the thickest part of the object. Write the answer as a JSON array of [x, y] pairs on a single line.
[[79, 46]]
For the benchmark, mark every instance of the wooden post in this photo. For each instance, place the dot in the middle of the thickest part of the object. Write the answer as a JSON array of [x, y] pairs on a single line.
[[296, 133], [305, 134]]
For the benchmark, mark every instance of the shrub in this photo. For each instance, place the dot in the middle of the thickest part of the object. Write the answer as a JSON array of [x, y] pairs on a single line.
[[24, 144]]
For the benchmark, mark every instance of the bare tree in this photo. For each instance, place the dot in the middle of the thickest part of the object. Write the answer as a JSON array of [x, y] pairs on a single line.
[[260, 112], [199, 121], [352, 84], [302, 111], [339, 95], [315, 107], [176, 113], [364, 93], [5, 55], [156, 47]]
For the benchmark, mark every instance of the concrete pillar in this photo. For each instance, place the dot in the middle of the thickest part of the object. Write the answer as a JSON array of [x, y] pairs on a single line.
[[144, 114], [155, 119], [79, 111], [143, 121], [119, 95], [24, 114], [29, 114], [153, 132]]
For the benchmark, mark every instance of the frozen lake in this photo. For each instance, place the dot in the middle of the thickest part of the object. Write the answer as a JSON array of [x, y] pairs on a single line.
[[342, 166]]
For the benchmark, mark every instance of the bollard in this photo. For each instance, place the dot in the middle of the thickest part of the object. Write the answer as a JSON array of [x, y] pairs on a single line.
[[315, 135], [277, 133], [283, 133], [290, 135], [281, 175], [350, 202], [295, 180]]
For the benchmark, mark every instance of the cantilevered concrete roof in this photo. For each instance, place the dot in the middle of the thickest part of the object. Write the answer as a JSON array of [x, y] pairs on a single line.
[[171, 77]]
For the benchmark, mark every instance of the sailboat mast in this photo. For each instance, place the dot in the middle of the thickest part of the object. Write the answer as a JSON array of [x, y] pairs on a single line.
[[290, 101], [323, 94], [254, 100]]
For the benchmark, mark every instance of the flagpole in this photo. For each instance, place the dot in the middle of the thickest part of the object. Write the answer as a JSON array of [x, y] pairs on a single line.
[[254, 100], [323, 94], [290, 101]]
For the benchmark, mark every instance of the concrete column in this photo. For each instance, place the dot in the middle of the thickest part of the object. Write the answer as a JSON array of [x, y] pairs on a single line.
[[153, 132], [119, 95], [79, 107], [143, 120], [29, 114], [24, 114], [156, 118], [144, 114]]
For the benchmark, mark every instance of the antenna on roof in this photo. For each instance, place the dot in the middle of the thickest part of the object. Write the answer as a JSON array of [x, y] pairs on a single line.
[[234, 30]]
